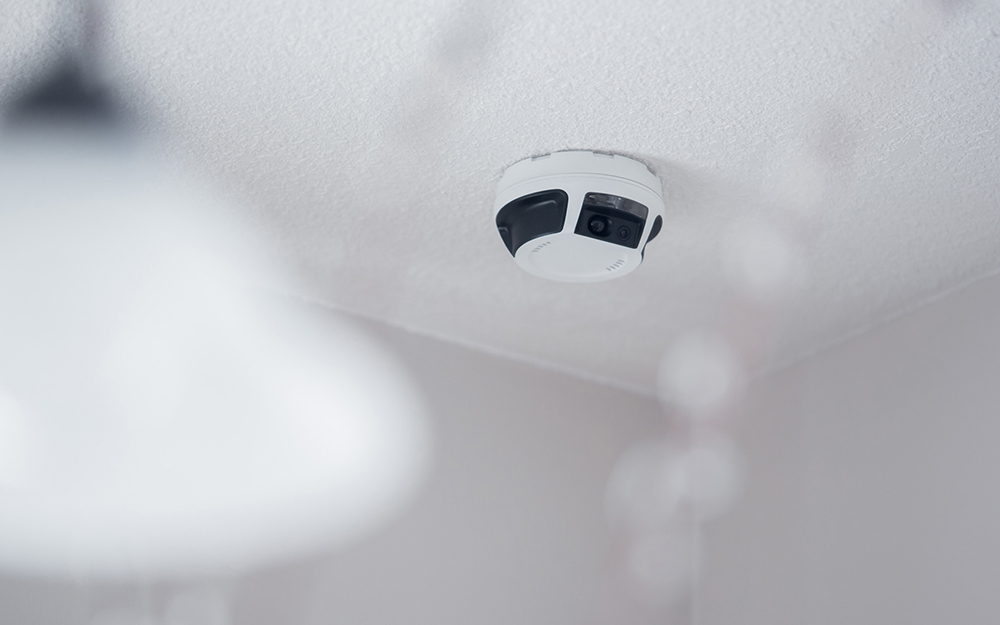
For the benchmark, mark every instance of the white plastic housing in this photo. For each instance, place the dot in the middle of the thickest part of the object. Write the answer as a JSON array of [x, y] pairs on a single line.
[[566, 256]]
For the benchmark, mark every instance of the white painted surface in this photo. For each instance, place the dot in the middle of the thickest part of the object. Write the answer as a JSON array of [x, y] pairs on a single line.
[[871, 492], [366, 134]]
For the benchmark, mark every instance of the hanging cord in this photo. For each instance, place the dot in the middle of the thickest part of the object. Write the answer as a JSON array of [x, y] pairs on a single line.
[[74, 91]]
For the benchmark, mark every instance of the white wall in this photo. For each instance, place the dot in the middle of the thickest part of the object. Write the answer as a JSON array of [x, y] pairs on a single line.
[[511, 527], [873, 492]]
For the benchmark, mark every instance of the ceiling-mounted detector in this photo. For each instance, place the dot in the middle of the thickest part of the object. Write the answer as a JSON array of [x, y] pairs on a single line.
[[578, 216]]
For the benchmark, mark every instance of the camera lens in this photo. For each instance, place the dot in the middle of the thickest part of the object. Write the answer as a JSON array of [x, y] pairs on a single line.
[[599, 226], [624, 233]]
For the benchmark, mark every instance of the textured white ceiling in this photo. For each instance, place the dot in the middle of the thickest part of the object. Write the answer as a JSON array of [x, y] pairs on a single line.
[[827, 165]]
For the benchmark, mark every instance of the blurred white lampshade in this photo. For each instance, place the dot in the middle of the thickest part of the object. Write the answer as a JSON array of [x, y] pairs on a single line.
[[160, 414]]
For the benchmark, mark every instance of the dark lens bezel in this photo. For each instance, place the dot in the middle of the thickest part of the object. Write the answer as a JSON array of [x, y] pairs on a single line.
[[606, 228]]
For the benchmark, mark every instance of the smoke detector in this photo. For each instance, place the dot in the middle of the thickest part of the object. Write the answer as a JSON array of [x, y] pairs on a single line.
[[578, 216]]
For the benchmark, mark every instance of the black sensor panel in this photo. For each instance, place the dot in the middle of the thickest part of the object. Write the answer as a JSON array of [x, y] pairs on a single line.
[[655, 229], [532, 216], [612, 218]]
